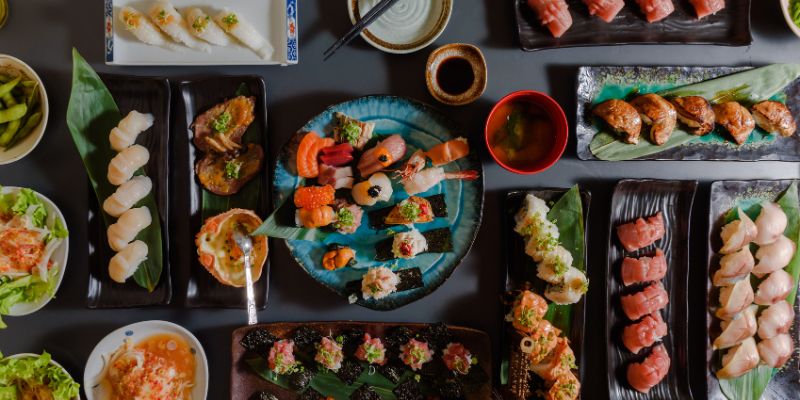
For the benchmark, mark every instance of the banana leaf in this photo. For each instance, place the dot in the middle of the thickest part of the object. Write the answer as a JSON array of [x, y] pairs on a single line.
[[747, 87], [752, 385], [91, 114]]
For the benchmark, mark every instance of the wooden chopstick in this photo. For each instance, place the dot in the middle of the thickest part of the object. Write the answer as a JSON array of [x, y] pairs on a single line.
[[373, 14]]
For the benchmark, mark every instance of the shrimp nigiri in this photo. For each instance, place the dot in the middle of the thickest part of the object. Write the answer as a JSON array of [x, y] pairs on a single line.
[[428, 178]]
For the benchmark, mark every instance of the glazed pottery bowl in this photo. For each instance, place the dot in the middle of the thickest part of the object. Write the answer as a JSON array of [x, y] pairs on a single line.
[[467, 54]]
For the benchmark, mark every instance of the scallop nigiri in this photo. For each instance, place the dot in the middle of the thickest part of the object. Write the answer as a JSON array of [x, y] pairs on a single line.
[[377, 188], [605, 9], [707, 7], [202, 26], [125, 163], [775, 288], [125, 263], [650, 372], [771, 223], [647, 301], [737, 330], [125, 133], [237, 26], [774, 256], [554, 14], [738, 360], [656, 10], [128, 194], [734, 299], [776, 319], [644, 333], [644, 269], [129, 224], [167, 18], [141, 28], [641, 233], [775, 351], [734, 267], [738, 233]]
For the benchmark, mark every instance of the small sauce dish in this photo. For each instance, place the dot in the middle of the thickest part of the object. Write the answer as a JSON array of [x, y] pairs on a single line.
[[456, 74]]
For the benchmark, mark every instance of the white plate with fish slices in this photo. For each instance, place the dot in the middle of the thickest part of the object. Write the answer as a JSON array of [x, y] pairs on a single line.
[[274, 20], [95, 365]]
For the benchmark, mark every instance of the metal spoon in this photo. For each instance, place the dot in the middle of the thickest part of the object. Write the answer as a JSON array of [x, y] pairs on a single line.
[[245, 243]]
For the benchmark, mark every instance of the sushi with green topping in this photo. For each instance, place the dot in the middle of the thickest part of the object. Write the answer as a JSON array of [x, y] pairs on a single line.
[[329, 354], [415, 354]]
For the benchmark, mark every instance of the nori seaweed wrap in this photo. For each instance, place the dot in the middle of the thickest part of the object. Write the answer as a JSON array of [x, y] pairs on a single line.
[[451, 389], [301, 379], [351, 339], [393, 372], [408, 390], [439, 241], [350, 371], [258, 340], [311, 394], [365, 392], [306, 338], [437, 335], [396, 338]]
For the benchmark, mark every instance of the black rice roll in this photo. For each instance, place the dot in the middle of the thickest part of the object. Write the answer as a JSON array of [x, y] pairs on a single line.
[[451, 389], [301, 379], [258, 341], [438, 336], [350, 371], [392, 371], [306, 338], [408, 390], [365, 392], [311, 394]]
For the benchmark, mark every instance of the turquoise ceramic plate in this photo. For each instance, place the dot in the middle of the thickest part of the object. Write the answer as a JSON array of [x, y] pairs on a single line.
[[422, 127]]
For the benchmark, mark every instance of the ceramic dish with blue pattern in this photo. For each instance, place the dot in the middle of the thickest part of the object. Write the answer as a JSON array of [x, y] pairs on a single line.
[[421, 127]]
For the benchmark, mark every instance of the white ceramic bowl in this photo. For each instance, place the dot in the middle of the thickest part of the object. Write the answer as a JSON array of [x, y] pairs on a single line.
[[30, 142], [52, 361], [137, 332], [59, 256], [788, 17], [408, 26]]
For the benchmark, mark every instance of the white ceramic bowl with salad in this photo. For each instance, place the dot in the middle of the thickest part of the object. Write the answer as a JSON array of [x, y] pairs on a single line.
[[786, 6], [18, 367], [24, 144], [24, 206]]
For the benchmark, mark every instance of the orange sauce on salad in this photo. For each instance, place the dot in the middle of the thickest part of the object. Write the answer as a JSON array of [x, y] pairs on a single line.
[[175, 351], [521, 134]]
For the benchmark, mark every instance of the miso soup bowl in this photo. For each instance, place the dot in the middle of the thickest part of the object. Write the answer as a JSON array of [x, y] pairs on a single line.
[[557, 118]]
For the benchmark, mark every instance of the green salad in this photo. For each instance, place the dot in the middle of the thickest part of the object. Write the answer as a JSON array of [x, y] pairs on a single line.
[[28, 239], [35, 378]]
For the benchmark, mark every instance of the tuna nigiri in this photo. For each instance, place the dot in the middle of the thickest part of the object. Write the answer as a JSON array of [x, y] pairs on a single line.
[[641, 233], [384, 154], [644, 269], [643, 334], [656, 10], [605, 9], [707, 7], [554, 14], [648, 301], [307, 152], [643, 376]]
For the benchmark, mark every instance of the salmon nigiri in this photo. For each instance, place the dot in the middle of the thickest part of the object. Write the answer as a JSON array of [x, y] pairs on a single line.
[[554, 14], [643, 376], [707, 7], [307, 152], [648, 301], [448, 151], [641, 233], [643, 334], [605, 9], [656, 10]]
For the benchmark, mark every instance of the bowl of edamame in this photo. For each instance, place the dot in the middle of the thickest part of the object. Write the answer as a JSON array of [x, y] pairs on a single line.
[[23, 109]]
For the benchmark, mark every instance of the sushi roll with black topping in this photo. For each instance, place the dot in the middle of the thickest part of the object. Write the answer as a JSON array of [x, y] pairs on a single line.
[[311, 394], [258, 340], [351, 339], [365, 392], [306, 338], [396, 338], [408, 390], [451, 389], [437, 335], [392, 372], [263, 396], [301, 379], [350, 371]]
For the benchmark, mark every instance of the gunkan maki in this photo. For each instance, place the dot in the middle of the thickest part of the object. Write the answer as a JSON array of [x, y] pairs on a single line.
[[408, 390], [365, 392], [258, 340], [301, 379], [350, 371]]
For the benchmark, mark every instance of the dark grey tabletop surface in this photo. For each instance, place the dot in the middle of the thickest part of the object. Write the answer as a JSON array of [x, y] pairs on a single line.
[[42, 33]]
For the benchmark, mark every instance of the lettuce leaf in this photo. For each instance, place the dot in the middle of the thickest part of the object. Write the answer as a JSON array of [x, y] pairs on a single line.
[[36, 371], [24, 290]]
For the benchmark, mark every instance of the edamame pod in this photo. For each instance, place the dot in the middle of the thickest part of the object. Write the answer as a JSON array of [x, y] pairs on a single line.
[[30, 124], [14, 112], [8, 86]]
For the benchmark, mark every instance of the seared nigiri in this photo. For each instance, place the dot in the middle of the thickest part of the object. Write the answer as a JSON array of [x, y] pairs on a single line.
[[554, 14], [201, 25], [738, 360], [738, 233], [565, 387], [641, 233], [734, 299], [659, 114], [167, 18], [650, 372], [237, 26], [605, 9], [775, 288], [735, 119], [385, 153], [776, 319], [707, 7], [644, 333], [541, 342], [622, 118], [696, 113], [737, 330], [774, 117], [774, 256], [554, 265], [771, 223], [734, 267], [777, 350], [352, 131], [647, 301], [644, 269], [656, 10]]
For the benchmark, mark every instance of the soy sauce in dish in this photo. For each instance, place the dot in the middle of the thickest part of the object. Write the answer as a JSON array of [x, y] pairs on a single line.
[[521, 134], [455, 75]]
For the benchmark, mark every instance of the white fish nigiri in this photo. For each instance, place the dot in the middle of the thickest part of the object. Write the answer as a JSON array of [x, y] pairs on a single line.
[[737, 330], [125, 163], [125, 263], [775, 288], [129, 224], [771, 223], [140, 27], [777, 350], [128, 129], [128, 194], [734, 299], [734, 267], [776, 319], [738, 234], [236, 25], [167, 18], [738, 360], [202, 26], [774, 256]]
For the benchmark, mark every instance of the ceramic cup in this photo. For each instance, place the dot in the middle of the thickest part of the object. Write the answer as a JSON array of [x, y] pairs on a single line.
[[456, 74]]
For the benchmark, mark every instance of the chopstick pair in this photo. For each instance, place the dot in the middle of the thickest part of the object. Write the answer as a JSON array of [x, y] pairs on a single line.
[[373, 14]]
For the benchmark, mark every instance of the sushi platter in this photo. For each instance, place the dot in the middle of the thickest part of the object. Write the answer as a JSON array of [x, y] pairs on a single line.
[[593, 223]]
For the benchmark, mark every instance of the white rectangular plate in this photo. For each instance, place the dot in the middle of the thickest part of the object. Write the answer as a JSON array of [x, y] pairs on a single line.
[[275, 19]]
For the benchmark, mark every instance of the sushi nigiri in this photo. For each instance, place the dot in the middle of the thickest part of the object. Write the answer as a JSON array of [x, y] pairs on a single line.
[[657, 113], [774, 256], [237, 26], [201, 25], [129, 224], [167, 18], [738, 360], [644, 333], [447, 152], [776, 319], [352, 131], [656, 10], [141, 28], [560, 361], [338, 177], [734, 267], [650, 372], [570, 291], [775, 351], [774, 117], [385, 153], [737, 330], [736, 120], [775, 288], [554, 14], [734, 299], [605, 9], [541, 342], [738, 233], [125, 163], [641, 233], [696, 113], [644, 269], [125, 263], [377, 188], [707, 7], [128, 194], [531, 215], [315, 217], [622, 118], [430, 177], [647, 301], [125, 133], [771, 223]]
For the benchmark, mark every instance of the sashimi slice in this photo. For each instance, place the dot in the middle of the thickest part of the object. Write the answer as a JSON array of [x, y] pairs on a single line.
[[554, 14], [605, 9], [644, 269], [641, 233], [644, 333], [707, 7], [656, 10], [643, 376]]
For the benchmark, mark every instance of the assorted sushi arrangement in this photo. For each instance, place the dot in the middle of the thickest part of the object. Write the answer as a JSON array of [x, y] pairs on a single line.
[[360, 361]]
